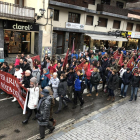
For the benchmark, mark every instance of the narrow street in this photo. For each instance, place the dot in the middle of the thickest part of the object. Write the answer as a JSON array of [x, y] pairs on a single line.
[[11, 127]]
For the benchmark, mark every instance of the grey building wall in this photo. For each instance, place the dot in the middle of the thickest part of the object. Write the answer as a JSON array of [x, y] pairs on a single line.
[[54, 43], [66, 42], [1, 40]]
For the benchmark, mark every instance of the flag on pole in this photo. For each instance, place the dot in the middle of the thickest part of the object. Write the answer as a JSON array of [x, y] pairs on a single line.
[[66, 59], [116, 54], [80, 66], [130, 63], [120, 62], [72, 51]]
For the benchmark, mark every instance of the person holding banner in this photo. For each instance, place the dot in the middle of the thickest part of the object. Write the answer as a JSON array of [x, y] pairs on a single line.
[[33, 99]]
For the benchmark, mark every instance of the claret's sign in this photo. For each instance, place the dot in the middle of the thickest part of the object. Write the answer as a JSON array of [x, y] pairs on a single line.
[[25, 26]]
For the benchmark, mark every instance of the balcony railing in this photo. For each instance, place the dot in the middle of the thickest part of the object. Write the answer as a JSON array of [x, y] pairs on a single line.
[[112, 9], [10, 10]]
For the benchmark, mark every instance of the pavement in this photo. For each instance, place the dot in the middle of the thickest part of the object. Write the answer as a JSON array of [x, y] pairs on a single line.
[[11, 117], [118, 121]]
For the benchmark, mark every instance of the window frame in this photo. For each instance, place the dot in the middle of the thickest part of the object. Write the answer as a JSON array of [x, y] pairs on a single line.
[[137, 27], [92, 20], [54, 15], [117, 21], [72, 14], [127, 26], [100, 22]]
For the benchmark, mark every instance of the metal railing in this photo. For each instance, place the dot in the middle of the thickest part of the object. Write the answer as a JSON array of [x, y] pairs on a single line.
[[112, 9], [10, 10]]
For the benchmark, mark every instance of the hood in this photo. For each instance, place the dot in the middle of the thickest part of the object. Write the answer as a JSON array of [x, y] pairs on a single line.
[[47, 73]]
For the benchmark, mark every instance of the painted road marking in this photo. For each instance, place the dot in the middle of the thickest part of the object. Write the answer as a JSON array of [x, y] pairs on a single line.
[[6, 99]]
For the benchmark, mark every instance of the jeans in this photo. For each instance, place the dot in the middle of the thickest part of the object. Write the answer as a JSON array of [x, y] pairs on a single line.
[[134, 90], [124, 89], [111, 92], [61, 101], [120, 82], [95, 86]]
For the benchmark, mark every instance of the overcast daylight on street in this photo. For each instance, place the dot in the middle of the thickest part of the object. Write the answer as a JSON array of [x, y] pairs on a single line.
[[69, 69]]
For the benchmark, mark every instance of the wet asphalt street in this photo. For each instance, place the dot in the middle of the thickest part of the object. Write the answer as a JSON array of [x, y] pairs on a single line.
[[11, 117]]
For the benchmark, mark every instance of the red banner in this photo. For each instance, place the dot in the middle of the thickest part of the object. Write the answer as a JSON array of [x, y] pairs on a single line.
[[10, 84], [120, 60], [35, 57], [116, 55], [80, 66], [130, 63]]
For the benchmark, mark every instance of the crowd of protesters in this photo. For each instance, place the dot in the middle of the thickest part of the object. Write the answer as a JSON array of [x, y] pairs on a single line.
[[51, 79]]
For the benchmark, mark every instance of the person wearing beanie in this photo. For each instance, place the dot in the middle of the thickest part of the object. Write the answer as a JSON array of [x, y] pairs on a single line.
[[33, 99], [43, 113], [36, 73]]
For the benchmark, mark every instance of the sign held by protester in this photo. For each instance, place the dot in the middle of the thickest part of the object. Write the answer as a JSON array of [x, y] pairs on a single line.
[[10, 84]]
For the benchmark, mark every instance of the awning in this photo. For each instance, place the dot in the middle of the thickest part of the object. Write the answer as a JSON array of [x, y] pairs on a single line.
[[105, 37]]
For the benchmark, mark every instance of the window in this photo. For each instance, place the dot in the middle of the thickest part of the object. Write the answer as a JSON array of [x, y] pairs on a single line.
[[56, 15], [116, 24], [89, 20], [129, 26], [103, 22], [74, 17], [105, 2], [20, 2], [119, 4], [138, 27], [91, 2]]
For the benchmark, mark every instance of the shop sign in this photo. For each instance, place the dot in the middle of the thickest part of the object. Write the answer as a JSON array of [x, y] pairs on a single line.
[[74, 25], [114, 33], [129, 34], [124, 34], [135, 35], [133, 16], [20, 26]]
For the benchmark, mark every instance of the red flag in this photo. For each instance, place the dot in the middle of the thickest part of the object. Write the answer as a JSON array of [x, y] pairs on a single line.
[[80, 66], [35, 57], [72, 51], [130, 63], [120, 60], [116, 54], [88, 72], [66, 59]]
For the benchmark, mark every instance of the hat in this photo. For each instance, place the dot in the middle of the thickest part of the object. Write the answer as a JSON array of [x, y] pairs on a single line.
[[34, 80], [45, 92], [128, 69], [17, 67], [25, 60]]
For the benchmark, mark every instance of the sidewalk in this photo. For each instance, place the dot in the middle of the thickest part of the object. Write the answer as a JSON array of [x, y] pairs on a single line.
[[118, 121]]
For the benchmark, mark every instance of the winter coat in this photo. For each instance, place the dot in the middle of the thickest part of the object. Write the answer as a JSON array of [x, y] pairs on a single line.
[[27, 67], [30, 61], [70, 78], [113, 81], [105, 64], [17, 62], [54, 84], [46, 80], [26, 81], [59, 72], [11, 71], [36, 74], [21, 65], [33, 98], [79, 83], [135, 81], [18, 73], [5, 69], [74, 54], [62, 88], [43, 110], [95, 78], [126, 78]]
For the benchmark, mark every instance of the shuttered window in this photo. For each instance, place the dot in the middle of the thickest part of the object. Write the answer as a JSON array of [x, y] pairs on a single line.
[[138, 27], [116, 24], [89, 20], [103, 22], [129, 26], [56, 15]]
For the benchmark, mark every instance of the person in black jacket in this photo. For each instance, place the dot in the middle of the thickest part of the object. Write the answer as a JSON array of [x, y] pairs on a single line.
[[26, 65], [21, 64], [112, 85], [135, 85], [58, 69], [126, 79], [70, 82], [26, 79], [62, 90], [5, 67]]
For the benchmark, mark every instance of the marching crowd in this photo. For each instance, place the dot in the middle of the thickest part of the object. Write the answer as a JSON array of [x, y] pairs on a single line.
[[55, 78]]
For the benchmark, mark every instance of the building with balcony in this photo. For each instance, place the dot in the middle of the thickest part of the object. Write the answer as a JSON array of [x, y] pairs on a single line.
[[93, 23]]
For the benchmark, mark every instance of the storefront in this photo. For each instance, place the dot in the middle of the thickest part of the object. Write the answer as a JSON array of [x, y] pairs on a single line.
[[20, 36]]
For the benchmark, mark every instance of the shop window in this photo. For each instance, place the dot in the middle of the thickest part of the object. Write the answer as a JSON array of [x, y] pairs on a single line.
[[20, 2], [89, 20], [102, 22], [116, 24], [119, 4], [91, 2], [105, 2], [138, 27], [129, 26], [18, 42], [56, 15], [74, 17]]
